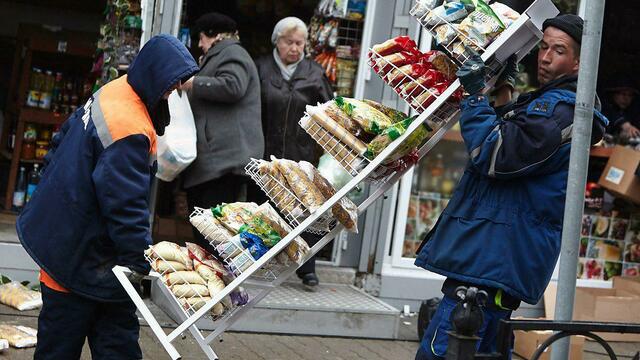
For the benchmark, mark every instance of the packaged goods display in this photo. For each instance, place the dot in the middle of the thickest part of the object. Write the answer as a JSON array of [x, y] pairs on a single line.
[[19, 296], [307, 187], [463, 27]]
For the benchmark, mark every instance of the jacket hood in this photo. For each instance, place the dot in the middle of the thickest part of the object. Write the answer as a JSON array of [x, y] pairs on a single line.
[[160, 64]]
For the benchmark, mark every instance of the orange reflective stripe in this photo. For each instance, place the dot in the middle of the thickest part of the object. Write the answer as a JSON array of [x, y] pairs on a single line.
[[50, 283], [118, 112]]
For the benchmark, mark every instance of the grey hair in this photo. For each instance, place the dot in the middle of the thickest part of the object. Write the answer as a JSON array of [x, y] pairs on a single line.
[[286, 25]]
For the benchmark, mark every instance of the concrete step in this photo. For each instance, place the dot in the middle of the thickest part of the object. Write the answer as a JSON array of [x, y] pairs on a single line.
[[332, 310], [328, 274]]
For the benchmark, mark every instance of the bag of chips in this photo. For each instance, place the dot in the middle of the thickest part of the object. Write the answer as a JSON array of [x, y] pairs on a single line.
[[422, 7], [447, 12], [234, 215], [481, 26]]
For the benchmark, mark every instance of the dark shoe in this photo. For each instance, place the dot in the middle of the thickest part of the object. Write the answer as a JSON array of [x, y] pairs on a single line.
[[310, 280]]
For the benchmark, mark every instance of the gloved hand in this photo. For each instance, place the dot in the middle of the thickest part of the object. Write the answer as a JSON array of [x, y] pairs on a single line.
[[136, 280], [471, 75], [509, 74]]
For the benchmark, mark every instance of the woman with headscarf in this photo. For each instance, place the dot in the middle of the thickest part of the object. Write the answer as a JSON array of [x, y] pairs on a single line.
[[289, 81], [225, 99]]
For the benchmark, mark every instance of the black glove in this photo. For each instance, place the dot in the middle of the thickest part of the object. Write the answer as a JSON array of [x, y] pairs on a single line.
[[472, 74], [135, 278], [160, 116], [509, 74]]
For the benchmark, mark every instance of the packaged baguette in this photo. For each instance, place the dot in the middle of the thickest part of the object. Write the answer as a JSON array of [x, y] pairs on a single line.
[[345, 211], [392, 113], [277, 189], [189, 290], [298, 248], [427, 80], [384, 64], [338, 150], [370, 119], [210, 227], [302, 187], [169, 251], [344, 136], [162, 266], [183, 277], [234, 215], [341, 118]]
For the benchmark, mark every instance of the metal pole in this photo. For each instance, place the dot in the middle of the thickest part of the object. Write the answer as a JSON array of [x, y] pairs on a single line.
[[578, 163]]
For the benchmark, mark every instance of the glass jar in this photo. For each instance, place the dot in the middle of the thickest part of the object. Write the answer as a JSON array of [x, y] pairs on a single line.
[[45, 134], [42, 148], [28, 150]]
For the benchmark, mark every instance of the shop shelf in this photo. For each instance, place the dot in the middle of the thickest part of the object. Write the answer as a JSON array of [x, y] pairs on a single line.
[[39, 116], [601, 151]]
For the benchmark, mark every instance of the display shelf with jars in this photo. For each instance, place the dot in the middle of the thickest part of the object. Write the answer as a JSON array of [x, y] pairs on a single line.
[[51, 77]]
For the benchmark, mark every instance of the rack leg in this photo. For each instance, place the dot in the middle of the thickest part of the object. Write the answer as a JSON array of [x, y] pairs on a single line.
[[120, 273], [204, 344]]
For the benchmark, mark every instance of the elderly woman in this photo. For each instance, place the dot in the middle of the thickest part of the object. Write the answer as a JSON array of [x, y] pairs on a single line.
[[225, 99], [289, 82]]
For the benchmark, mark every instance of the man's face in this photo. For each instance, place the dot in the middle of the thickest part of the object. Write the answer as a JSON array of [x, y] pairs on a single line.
[[623, 98], [556, 56]]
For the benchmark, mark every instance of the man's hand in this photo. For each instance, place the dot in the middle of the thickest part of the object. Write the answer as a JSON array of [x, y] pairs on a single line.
[[471, 75], [509, 74], [629, 130], [135, 278], [187, 85]]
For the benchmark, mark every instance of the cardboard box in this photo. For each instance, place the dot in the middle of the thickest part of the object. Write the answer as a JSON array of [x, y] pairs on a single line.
[[526, 343], [619, 176], [602, 305], [631, 285]]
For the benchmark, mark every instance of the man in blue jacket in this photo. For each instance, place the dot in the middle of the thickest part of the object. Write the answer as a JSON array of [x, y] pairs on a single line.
[[501, 231], [90, 211]]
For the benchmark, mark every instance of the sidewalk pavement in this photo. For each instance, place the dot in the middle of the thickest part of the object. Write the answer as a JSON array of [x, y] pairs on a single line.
[[250, 346]]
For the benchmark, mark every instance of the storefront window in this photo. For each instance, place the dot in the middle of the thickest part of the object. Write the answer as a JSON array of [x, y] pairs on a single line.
[[432, 186]]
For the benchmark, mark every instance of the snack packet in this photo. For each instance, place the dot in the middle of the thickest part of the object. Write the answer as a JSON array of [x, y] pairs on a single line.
[[481, 26], [370, 119], [341, 118], [445, 33], [400, 43], [424, 82], [422, 7], [447, 12], [506, 14], [441, 62], [393, 114], [231, 248], [234, 215], [254, 244], [19, 296]]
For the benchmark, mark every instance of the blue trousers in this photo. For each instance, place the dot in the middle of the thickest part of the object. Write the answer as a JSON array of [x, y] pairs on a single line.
[[66, 320], [433, 345]]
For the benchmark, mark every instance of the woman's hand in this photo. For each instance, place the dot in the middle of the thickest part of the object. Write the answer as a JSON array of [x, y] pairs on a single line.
[[187, 85], [630, 130]]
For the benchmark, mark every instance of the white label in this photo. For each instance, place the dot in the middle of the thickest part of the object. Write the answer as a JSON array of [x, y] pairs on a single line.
[[614, 175]]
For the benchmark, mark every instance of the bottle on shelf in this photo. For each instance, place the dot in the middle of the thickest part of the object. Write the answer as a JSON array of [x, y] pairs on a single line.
[[32, 182], [47, 90], [35, 86], [20, 190]]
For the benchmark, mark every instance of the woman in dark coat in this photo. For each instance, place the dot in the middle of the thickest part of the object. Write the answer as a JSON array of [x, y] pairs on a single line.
[[288, 83], [225, 99]]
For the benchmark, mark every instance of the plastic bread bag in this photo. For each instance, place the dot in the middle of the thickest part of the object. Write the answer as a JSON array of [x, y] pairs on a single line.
[[428, 97], [481, 26], [212, 230], [197, 252], [216, 285], [169, 251], [231, 248], [234, 215], [345, 211], [195, 303], [445, 33], [19, 296], [422, 7], [189, 290], [393, 114], [298, 182], [278, 190], [162, 266], [377, 145], [370, 119], [335, 129], [447, 12], [394, 45], [183, 277], [506, 14], [341, 118], [330, 144], [4, 344], [382, 65], [404, 74], [441, 62], [427, 80], [298, 248], [19, 336], [214, 264]]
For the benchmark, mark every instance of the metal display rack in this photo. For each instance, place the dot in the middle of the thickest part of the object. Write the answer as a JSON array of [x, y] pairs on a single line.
[[519, 38]]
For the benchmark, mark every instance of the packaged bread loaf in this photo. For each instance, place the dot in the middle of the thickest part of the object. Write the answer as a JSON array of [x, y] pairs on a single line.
[[345, 211], [298, 248], [183, 277], [171, 252], [441, 62], [278, 190], [19, 336], [215, 286], [338, 150], [342, 119], [189, 290], [19, 296], [210, 227], [162, 266], [344, 136], [298, 182], [195, 303]]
